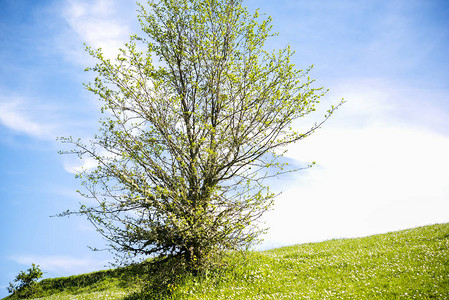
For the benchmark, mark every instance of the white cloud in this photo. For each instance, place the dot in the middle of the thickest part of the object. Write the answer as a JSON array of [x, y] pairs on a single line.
[[100, 24], [377, 170], [367, 181], [16, 116], [62, 264], [88, 163], [78, 166], [378, 101]]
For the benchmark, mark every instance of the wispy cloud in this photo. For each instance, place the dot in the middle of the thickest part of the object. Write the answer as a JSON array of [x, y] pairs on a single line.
[[100, 24], [17, 116], [61, 264], [76, 166], [374, 101]]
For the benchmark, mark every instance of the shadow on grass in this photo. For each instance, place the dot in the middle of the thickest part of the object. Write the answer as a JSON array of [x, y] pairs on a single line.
[[126, 277], [158, 277], [152, 279], [161, 277]]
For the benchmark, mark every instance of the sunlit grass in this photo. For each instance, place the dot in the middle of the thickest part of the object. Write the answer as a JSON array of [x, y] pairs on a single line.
[[103, 295], [410, 264]]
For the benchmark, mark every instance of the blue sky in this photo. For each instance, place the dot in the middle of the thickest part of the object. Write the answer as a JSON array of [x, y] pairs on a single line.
[[381, 160]]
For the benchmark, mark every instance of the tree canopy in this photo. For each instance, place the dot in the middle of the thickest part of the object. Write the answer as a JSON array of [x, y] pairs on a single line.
[[196, 112]]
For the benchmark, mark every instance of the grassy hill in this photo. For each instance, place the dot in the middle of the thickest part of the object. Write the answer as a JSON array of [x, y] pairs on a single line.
[[409, 264]]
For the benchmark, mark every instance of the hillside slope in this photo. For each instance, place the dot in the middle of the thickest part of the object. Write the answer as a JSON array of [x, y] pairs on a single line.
[[409, 264]]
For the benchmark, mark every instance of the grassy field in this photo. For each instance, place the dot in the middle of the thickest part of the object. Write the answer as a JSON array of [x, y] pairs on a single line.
[[410, 264]]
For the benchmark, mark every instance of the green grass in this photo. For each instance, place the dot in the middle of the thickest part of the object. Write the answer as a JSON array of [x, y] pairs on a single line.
[[410, 264]]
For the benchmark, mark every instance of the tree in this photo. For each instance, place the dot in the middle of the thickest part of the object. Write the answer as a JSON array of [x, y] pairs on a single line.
[[192, 125], [26, 282]]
